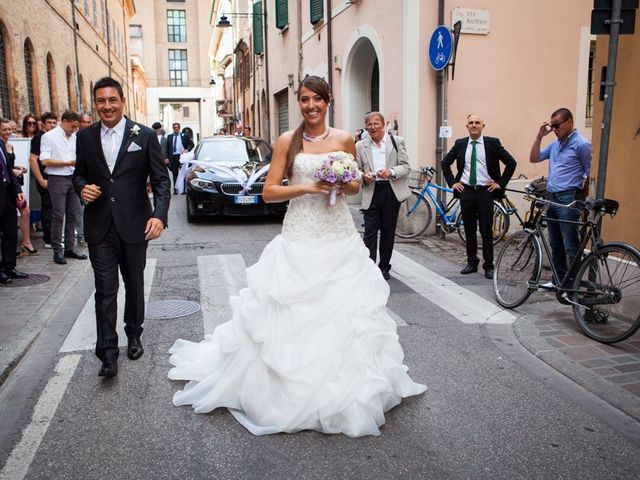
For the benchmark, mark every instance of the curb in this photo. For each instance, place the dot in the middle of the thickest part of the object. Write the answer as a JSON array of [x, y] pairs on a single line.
[[18, 348], [526, 334]]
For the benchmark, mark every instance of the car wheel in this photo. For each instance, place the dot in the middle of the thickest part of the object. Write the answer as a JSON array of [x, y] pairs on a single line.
[[191, 216]]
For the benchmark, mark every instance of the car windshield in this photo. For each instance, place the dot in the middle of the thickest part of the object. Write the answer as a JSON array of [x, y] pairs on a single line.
[[233, 151]]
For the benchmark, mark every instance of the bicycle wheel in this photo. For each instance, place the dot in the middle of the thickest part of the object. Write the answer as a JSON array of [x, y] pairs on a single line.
[[414, 216], [517, 268], [607, 286], [500, 225]]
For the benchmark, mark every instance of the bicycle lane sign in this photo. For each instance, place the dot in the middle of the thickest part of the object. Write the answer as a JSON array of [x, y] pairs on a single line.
[[440, 47]]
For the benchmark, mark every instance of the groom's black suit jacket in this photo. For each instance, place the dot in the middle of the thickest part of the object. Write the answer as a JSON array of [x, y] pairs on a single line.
[[124, 199], [494, 153]]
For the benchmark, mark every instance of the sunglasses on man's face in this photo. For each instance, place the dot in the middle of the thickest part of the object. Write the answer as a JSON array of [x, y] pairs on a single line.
[[555, 126]]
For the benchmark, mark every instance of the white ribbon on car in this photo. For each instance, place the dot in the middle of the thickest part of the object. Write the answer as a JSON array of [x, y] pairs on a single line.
[[235, 172]]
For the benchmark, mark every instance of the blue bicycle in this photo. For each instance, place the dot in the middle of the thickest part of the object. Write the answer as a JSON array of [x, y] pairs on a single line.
[[416, 213]]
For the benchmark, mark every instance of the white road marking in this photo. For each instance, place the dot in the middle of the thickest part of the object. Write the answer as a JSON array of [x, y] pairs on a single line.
[[83, 333], [22, 455], [463, 304], [220, 276]]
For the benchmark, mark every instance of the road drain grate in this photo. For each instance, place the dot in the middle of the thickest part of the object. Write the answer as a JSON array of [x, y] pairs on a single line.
[[165, 309]]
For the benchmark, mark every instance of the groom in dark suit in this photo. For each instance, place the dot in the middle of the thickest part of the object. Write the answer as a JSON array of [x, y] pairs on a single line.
[[477, 183], [113, 160], [177, 143]]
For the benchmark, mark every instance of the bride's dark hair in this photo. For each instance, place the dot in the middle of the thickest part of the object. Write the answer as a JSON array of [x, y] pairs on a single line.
[[318, 86]]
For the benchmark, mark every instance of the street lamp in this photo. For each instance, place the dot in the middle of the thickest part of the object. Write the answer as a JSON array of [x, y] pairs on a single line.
[[224, 18]]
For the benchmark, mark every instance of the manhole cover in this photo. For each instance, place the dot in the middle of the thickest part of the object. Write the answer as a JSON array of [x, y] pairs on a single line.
[[34, 279], [163, 309]]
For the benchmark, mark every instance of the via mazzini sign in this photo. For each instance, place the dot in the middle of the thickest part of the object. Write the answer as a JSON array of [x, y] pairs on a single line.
[[474, 21]]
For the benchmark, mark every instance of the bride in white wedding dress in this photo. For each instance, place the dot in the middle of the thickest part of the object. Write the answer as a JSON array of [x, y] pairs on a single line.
[[310, 345]]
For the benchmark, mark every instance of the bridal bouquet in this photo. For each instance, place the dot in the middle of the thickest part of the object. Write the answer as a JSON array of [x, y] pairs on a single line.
[[338, 167]]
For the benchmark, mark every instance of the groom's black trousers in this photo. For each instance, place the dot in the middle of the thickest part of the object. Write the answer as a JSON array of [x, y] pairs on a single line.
[[382, 216], [106, 257]]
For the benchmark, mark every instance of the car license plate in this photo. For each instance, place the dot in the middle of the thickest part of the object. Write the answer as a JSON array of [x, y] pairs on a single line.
[[246, 199]]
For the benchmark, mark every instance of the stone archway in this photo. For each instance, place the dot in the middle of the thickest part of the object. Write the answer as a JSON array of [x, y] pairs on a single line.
[[362, 86]]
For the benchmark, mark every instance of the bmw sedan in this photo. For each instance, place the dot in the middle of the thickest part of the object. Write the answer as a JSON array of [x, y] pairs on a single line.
[[227, 176]]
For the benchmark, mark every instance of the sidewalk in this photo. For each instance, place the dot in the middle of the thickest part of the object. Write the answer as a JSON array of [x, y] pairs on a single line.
[[612, 372], [27, 305], [544, 327]]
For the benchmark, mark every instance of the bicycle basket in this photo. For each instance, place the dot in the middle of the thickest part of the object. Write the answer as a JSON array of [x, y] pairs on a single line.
[[417, 179], [537, 187]]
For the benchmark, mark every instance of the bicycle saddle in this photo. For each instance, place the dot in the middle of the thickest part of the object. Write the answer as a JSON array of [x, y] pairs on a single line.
[[603, 205]]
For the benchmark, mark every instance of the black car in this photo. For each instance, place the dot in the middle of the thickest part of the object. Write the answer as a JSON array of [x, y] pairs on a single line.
[[227, 180]]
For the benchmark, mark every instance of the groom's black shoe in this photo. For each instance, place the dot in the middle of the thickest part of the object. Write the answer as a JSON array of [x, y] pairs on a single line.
[[470, 268], [109, 369], [134, 349]]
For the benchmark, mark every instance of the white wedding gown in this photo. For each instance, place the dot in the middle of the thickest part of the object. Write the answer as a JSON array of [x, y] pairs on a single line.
[[310, 345]]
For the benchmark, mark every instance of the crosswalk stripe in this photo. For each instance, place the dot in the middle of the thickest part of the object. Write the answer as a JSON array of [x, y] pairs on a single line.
[[22, 455], [463, 304], [220, 276], [83, 333]]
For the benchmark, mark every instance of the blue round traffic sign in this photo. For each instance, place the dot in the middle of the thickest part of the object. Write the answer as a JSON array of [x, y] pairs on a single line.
[[440, 47]]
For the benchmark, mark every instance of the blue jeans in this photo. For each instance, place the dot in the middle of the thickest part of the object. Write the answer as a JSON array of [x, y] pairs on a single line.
[[564, 238]]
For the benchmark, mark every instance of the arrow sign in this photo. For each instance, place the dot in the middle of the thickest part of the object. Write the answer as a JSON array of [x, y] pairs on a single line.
[[440, 47]]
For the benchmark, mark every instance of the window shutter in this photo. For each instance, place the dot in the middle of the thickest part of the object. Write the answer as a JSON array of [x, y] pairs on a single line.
[[258, 32], [282, 13], [316, 9]]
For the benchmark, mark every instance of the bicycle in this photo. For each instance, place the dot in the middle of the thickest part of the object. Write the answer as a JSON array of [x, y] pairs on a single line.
[[415, 214], [602, 286]]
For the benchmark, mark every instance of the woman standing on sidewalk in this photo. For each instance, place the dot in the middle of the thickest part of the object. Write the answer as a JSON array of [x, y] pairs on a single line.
[[26, 246]]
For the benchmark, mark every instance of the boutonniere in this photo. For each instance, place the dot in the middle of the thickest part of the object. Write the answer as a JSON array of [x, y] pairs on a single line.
[[135, 130]]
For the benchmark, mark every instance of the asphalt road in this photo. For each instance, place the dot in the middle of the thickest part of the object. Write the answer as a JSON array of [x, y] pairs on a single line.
[[491, 411]]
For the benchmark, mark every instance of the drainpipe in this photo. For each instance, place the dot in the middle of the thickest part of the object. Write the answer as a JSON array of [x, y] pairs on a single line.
[[440, 115], [75, 54], [329, 61], [266, 71], [108, 38], [300, 54]]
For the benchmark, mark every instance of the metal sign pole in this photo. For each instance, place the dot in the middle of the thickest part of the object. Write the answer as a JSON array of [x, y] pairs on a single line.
[[609, 83]]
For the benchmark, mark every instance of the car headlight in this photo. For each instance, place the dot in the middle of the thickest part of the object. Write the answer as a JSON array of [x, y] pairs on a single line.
[[202, 184]]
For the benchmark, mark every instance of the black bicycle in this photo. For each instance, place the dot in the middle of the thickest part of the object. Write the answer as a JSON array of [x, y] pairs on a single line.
[[602, 285]]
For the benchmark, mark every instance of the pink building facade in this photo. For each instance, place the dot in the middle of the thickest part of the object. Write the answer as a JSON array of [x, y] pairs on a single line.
[[526, 58]]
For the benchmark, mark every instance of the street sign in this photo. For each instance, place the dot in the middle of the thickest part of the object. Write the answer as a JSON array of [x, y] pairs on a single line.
[[440, 47]]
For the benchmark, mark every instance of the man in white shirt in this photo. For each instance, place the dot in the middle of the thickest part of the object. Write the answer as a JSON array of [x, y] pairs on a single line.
[[58, 155], [384, 161]]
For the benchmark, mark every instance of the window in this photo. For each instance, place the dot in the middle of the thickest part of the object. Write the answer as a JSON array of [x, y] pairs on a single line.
[[135, 31], [71, 94], [30, 77], [178, 68], [185, 112], [316, 10], [258, 34], [95, 15], [177, 25], [243, 62], [86, 8], [282, 13], [51, 82], [282, 100], [82, 94], [105, 20], [5, 105], [590, 86]]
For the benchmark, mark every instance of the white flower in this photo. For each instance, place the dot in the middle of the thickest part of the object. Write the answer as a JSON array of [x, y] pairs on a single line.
[[135, 130], [338, 168]]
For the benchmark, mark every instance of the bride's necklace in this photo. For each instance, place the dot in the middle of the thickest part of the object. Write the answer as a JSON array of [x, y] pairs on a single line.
[[319, 138]]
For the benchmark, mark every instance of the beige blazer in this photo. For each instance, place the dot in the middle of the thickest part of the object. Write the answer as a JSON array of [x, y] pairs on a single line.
[[398, 161]]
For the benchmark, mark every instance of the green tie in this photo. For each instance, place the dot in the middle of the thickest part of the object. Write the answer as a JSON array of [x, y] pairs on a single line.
[[474, 161]]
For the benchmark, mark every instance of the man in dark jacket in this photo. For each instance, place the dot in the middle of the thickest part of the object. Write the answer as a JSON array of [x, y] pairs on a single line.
[[113, 160], [477, 183]]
